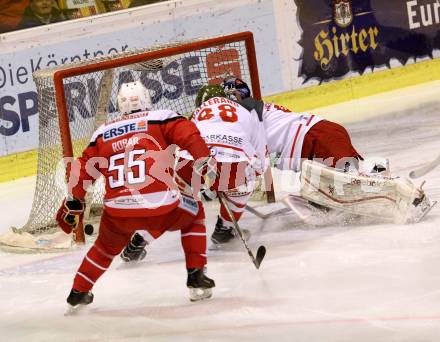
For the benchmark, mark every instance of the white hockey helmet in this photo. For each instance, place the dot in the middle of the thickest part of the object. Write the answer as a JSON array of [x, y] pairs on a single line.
[[133, 97]]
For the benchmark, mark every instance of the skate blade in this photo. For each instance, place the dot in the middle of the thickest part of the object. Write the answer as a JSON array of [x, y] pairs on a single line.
[[129, 263], [134, 261], [197, 294], [231, 244], [215, 247], [74, 310]]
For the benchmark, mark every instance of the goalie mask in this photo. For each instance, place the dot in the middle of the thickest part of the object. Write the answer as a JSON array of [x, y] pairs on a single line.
[[236, 87], [208, 92], [133, 97]]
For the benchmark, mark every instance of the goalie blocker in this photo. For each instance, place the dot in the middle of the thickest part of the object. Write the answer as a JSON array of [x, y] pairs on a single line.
[[394, 199]]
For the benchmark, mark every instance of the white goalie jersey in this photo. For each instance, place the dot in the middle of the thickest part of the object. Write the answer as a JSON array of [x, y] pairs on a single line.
[[285, 132], [232, 132]]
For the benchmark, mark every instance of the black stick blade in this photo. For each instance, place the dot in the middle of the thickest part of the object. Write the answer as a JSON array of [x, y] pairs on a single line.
[[261, 252]]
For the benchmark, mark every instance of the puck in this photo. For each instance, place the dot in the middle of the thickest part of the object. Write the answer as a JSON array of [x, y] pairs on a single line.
[[88, 229]]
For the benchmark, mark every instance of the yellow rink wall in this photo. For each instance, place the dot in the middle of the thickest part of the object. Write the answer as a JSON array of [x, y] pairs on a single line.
[[334, 92], [25, 163], [18, 165]]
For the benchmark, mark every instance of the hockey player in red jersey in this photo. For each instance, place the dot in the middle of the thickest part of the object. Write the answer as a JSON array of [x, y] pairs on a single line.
[[237, 140], [135, 154]]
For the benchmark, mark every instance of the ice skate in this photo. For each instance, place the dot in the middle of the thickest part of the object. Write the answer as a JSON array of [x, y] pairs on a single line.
[[199, 285], [76, 300], [223, 233], [135, 250]]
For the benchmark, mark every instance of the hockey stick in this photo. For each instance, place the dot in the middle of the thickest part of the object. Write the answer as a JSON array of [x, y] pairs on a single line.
[[296, 210], [425, 169], [261, 252], [100, 118], [268, 215]]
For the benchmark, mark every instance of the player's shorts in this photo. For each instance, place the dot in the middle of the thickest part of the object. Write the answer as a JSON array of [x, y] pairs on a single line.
[[230, 175], [328, 141], [118, 230]]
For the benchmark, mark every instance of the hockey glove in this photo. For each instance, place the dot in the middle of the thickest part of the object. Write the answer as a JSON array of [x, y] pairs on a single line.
[[70, 214], [207, 168], [208, 194]]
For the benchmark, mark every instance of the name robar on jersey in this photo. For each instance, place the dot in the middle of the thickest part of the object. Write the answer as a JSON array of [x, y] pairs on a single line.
[[232, 133], [285, 132], [136, 156]]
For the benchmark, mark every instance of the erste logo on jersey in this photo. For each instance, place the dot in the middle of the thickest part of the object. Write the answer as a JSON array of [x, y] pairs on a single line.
[[117, 132]]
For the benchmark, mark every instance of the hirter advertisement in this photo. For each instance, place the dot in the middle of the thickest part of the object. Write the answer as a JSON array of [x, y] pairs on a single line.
[[339, 36]]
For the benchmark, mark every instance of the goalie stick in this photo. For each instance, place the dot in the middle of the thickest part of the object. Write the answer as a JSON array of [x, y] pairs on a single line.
[[268, 215], [261, 252], [425, 169]]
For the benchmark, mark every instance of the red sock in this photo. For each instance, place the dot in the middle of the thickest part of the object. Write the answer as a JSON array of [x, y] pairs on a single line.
[[95, 263]]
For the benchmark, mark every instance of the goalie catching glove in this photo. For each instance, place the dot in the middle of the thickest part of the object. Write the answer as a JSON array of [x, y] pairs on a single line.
[[70, 214]]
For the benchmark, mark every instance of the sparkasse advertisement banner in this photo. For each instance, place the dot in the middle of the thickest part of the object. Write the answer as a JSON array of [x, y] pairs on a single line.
[[340, 36], [299, 43], [115, 32]]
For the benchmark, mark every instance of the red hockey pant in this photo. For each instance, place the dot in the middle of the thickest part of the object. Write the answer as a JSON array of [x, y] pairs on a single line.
[[230, 177], [115, 233], [328, 141]]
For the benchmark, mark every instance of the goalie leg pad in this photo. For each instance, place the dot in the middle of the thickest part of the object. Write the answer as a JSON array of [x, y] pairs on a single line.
[[396, 200]]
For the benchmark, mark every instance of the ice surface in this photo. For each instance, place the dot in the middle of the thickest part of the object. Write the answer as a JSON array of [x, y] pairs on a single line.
[[358, 282]]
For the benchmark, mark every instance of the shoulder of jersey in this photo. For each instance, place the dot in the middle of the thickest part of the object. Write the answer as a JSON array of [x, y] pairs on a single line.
[[272, 107], [163, 115], [268, 106], [221, 100], [150, 117]]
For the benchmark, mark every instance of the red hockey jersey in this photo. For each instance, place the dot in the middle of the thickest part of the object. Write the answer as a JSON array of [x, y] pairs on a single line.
[[136, 156]]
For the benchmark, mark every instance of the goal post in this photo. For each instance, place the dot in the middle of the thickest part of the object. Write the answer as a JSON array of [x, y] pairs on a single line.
[[152, 54], [74, 99]]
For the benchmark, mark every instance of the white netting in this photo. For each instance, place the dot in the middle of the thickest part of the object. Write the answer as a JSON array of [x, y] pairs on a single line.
[[173, 82]]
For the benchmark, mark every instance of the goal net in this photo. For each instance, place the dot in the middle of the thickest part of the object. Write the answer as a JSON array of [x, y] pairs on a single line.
[[74, 99]]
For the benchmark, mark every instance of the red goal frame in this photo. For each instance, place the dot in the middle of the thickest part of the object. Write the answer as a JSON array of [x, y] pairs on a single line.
[[60, 75]]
